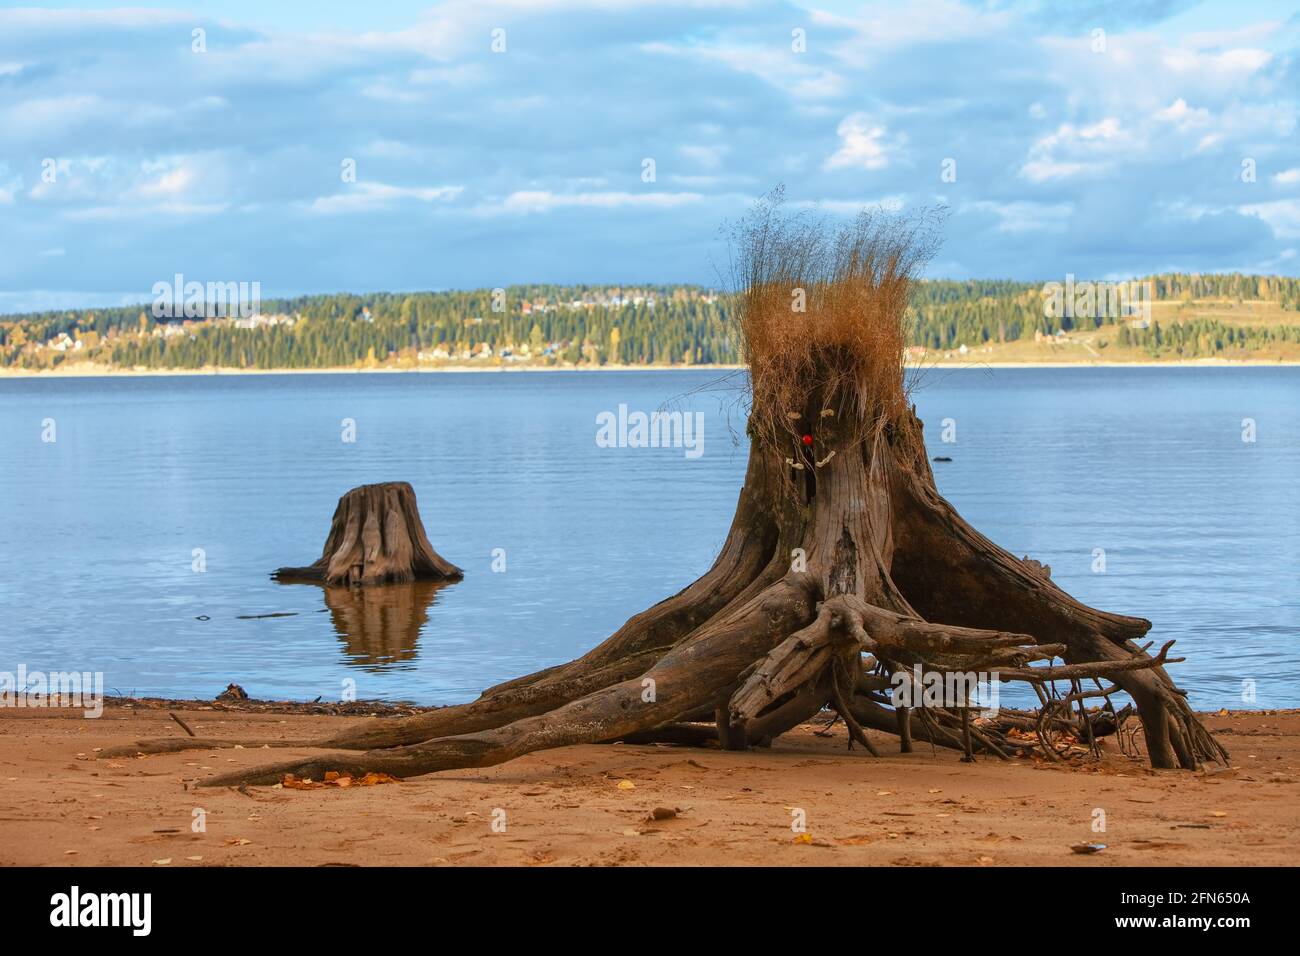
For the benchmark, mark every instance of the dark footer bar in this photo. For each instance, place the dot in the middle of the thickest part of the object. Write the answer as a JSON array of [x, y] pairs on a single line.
[[193, 903]]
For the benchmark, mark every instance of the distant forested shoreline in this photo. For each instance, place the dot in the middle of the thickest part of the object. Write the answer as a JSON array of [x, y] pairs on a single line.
[[1230, 316]]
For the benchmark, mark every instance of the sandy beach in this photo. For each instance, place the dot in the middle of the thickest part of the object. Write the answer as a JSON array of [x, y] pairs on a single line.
[[61, 805]]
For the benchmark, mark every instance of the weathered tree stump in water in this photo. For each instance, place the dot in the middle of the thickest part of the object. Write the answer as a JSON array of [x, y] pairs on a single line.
[[844, 570], [376, 537]]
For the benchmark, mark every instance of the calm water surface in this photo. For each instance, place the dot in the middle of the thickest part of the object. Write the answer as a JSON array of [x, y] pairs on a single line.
[[1201, 531]]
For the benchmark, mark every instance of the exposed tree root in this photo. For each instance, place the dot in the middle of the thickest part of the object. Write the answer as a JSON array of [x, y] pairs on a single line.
[[695, 671]]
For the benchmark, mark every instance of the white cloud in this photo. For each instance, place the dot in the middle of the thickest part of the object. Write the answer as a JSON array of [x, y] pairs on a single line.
[[1288, 177], [1282, 214], [1228, 65], [532, 201], [364, 196], [107, 187], [1104, 130], [1073, 150], [862, 144], [174, 182], [1041, 171], [1179, 113], [852, 207]]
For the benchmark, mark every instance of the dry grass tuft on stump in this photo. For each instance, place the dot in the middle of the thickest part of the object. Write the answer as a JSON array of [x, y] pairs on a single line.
[[822, 310]]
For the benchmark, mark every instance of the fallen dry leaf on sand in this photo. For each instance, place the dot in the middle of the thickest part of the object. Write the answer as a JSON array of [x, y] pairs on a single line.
[[335, 779], [373, 779]]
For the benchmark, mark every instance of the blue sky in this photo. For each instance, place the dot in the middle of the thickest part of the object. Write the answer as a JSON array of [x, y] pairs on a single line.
[[1103, 139]]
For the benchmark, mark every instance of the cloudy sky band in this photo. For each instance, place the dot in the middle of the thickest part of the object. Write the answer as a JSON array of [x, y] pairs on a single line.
[[480, 168]]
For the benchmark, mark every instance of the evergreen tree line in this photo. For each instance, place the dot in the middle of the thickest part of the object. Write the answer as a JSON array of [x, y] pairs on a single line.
[[596, 325]]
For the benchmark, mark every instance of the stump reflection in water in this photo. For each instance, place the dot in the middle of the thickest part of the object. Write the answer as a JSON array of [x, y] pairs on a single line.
[[380, 626]]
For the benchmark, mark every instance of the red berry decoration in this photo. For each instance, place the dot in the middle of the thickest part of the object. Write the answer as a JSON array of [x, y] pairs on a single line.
[[807, 439]]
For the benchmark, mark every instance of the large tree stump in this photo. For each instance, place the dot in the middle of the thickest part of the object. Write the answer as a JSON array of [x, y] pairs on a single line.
[[843, 569], [376, 537]]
